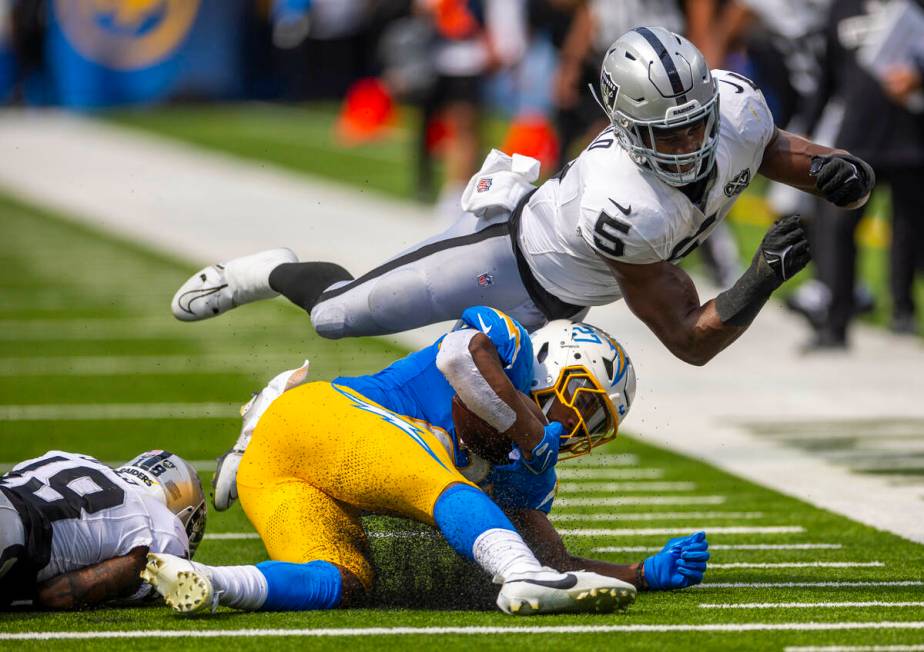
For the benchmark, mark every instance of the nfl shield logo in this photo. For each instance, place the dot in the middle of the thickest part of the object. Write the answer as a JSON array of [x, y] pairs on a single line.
[[485, 280], [484, 184]]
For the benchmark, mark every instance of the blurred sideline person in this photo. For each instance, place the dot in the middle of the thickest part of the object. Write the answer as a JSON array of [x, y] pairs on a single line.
[[74, 532], [612, 224], [322, 453], [879, 124]]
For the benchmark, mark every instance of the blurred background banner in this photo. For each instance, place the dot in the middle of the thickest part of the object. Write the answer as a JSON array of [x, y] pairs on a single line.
[[107, 52]]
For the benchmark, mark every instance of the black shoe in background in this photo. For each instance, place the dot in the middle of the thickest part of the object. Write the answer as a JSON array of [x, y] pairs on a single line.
[[904, 324]]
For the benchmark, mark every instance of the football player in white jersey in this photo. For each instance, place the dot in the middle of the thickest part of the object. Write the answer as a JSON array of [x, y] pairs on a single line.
[[75, 532], [684, 142]]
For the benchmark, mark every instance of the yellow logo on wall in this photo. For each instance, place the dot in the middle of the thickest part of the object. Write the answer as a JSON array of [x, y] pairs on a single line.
[[126, 34]]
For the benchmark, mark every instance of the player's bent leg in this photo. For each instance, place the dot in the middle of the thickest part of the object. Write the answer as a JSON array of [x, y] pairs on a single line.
[[478, 530], [471, 264], [216, 289], [297, 522], [191, 587]]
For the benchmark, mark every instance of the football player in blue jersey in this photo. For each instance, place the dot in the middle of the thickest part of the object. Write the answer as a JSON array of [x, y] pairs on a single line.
[[313, 456]]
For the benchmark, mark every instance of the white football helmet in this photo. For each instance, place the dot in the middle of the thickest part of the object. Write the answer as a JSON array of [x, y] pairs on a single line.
[[653, 81], [173, 480], [587, 371]]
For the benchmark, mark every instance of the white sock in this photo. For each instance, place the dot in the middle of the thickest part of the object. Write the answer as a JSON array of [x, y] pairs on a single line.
[[502, 553], [241, 587], [248, 276]]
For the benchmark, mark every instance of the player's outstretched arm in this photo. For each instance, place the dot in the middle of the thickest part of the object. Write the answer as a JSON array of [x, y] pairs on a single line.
[[114, 578], [664, 297], [838, 176], [681, 563]]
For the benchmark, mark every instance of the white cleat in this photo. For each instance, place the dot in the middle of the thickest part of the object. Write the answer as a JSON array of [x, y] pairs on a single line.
[[218, 288], [184, 589], [224, 482], [551, 592]]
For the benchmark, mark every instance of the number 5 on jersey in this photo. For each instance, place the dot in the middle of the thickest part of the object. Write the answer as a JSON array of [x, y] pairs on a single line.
[[606, 235]]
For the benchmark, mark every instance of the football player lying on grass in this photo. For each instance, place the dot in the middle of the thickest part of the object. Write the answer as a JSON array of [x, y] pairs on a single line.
[[74, 532], [313, 457]]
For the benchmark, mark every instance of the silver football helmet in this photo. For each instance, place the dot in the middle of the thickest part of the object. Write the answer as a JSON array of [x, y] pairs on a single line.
[[653, 83], [587, 371], [173, 480]]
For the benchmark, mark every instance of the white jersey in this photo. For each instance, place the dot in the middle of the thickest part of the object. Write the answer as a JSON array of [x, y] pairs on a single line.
[[607, 207], [93, 513]]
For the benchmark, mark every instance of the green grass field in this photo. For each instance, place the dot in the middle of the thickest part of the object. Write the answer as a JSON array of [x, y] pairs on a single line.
[[91, 361], [302, 138]]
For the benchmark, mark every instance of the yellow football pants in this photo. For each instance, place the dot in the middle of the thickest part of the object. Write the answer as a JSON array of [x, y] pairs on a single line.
[[320, 456]]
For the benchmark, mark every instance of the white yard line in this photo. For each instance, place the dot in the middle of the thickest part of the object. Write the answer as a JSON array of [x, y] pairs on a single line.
[[200, 465], [807, 585], [804, 564], [92, 365], [609, 487], [566, 472], [615, 501], [810, 605], [662, 531], [653, 516], [745, 546], [107, 411], [857, 648], [603, 460], [471, 631]]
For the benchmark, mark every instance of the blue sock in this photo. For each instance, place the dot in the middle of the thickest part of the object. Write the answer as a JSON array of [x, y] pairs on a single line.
[[301, 587], [462, 513]]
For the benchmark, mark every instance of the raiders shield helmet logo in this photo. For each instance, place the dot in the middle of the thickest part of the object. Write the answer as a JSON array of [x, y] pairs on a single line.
[[610, 90]]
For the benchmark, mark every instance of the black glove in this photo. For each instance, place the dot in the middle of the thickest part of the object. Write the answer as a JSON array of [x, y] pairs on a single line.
[[842, 179], [784, 249], [781, 254]]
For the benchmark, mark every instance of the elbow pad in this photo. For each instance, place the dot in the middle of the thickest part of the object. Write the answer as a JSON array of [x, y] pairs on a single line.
[[456, 363]]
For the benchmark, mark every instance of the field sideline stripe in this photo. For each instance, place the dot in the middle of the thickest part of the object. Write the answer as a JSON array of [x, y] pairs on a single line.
[[473, 630], [653, 531], [806, 585], [805, 564], [807, 605], [654, 516], [108, 411], [919, 647], [597, 487], [615, 501], [744, 546], [141, 365], [571, 473]]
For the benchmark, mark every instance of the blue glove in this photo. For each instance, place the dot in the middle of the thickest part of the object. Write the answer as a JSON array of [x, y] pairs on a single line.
[[545, 454], [681, 563]]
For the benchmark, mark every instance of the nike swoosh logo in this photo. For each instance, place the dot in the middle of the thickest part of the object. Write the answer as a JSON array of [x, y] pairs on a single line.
[[484, 327], [186, 299], [625, 211], [569, 581], [738, 89]]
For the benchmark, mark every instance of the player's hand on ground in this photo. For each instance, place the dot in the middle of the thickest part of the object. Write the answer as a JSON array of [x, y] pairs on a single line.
[[842, 179], [681, 563], [785, 248], [545, 454]]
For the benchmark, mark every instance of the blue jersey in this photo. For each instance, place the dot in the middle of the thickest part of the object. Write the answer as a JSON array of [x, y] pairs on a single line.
[[414, 387]]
